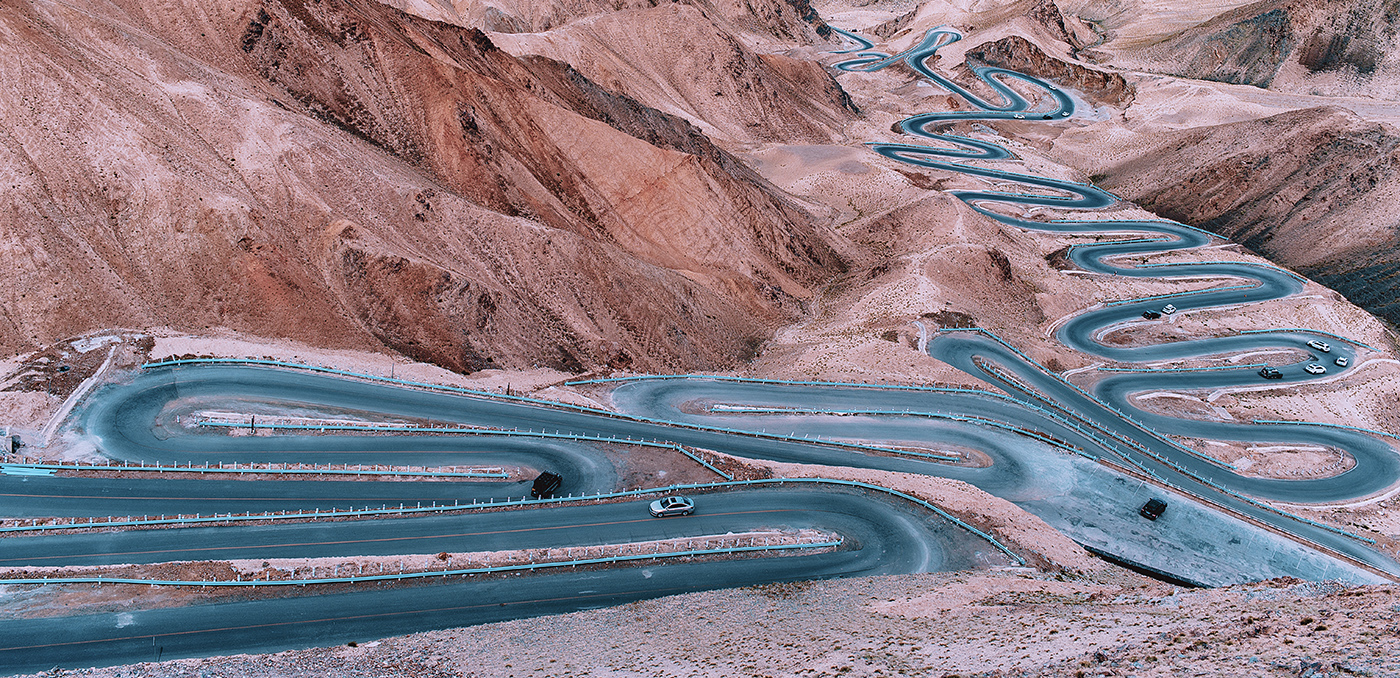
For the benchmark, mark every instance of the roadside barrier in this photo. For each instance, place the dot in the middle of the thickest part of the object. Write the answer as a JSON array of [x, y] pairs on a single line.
[[521, 399], [1163, 370], [936, 388], [1030, 433], [467, 572], [511, 503], [23, 467], [1270, 265], [1338, 337], [477, 431], [1177, 295]]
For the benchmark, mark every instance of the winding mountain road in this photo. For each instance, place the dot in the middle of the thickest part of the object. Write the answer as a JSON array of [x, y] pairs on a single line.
[[1042, 445]]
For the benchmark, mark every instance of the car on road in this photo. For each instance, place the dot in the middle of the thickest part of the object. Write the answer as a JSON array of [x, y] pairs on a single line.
[[1169, 309], [1270, 373], [674, 505], [1341, 362], [1151, 315], [1020, 116], [1314, 368], [1153, 509], [546, 484], [1319, 345]]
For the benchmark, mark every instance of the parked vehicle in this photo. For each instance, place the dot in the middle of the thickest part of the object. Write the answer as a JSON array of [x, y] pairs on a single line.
[[666, 507], [1270, 373], [1151, 315], [546, 484], [1314, 368], [1153, 509], [1169, 309], [1341, 362], [1319, 345]]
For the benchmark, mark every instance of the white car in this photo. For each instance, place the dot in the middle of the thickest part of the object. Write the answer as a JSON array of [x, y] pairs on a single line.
[[1319, 345], [672, 506], [1314, 368], [1169, 309], [1341, 362]]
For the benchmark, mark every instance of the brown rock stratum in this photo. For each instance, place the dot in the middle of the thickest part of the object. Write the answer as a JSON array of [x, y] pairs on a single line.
[[349, 175]]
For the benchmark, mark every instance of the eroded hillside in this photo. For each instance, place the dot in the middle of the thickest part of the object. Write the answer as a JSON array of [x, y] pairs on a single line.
[[343, 173]]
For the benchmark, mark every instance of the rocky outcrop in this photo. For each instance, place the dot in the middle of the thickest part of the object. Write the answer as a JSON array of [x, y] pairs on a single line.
[[1018, 54], [1259, 43], [889, 28], [788, 20], [345, 174], [677, 59], [1245, 47], [1315, 190]]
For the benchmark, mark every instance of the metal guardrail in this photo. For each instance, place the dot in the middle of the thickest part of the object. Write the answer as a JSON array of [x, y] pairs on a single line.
[[508, 503], [1030, 433], [1163, 370], [6, 467], [403, 428], [466, 572], [784, 382], [1270, 266], [1358, 429], [497, 396], [1338, 337], [1176, 295]]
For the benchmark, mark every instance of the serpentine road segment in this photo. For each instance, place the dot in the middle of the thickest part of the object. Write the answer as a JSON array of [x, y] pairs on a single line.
[[1046, 445], [1377, 465]]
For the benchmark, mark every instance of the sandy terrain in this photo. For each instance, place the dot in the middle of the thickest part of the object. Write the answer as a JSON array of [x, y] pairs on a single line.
[[987, 624]]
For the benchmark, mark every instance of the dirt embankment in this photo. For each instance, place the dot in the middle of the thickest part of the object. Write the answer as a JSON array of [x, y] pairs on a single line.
[[984, 624]]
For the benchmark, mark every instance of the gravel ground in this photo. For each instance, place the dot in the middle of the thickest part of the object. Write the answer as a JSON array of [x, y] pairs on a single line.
[[1006, 623]]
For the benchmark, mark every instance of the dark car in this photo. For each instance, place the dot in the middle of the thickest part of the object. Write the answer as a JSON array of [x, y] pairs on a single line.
[[1153, 509], [1151, 315], [1270, 373], [545, 485]]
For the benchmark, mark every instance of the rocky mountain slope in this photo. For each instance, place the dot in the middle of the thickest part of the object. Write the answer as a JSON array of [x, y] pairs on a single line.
[[346, 174], [1312, 188], [1334, 47]]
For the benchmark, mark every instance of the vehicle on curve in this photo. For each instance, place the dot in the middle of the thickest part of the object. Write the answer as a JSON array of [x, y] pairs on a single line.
[[1319, 345], [546, 484], [1341, 362], [674, 505], [1169, 309], [1314, 368], [1151, 315], [1270, 373], [1153, 509]]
